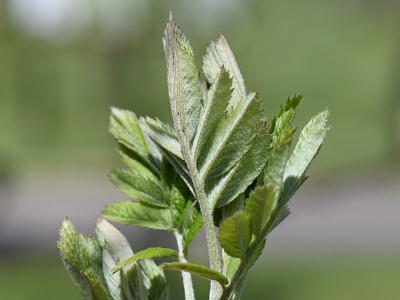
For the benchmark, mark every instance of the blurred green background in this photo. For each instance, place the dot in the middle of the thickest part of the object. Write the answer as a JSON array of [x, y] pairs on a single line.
[[63, 63]]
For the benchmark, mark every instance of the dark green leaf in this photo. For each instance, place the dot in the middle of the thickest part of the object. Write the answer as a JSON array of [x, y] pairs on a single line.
[[235, 234], [197, 270]]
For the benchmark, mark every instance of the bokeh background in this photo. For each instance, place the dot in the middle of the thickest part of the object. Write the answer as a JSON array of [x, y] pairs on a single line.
[[63, 63]]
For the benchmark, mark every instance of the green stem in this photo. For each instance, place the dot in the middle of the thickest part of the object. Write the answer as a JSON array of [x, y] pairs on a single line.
[[186, 277], [211, 237], [207, 214]]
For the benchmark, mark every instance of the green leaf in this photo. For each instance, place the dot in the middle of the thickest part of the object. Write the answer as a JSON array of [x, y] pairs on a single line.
[[260, 205], [226, 188], [154, 252], [291, 105], [306, 149], [196, 270], [182, 78], [162, 134], [231, 138], [124, 127], [99, 292], [235, 234], [80, 253], [219, 54], [137, 280], [139, 214], [233, 264], [192, 226], [139, 186], [215, 109]]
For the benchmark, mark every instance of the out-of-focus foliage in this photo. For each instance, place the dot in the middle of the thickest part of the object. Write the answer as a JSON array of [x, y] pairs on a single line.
[[55, 88]]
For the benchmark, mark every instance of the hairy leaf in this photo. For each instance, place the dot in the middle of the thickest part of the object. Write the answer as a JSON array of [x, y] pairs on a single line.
[[215, 109], [124, 127], [197, 270], [219, 54], [140, 214], [162, 134], [139, 186], [80, 253], [235, 234], [182, 78], [306, 149], [99, 291], [226, 188]]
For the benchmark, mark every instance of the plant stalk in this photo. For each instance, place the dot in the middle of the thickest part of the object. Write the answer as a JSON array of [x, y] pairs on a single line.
[[186, 277]]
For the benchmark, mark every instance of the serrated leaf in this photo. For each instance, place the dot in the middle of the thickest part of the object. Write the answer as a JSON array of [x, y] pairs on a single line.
[[138, 185], [260, 205], [196, 270], [291, 104], [154, 252], [235, 234], [219, 54], [182, 78], [306, 149], [231, 138], [162, 134], [124, 127], [79, 253], [139, 214], [222, 190], [99, 292], [215, 109]]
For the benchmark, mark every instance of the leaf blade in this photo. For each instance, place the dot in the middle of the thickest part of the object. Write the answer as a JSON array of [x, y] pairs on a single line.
[[152, 252], [196, 270]]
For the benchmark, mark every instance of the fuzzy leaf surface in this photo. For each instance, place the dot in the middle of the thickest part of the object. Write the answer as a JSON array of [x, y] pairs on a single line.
[[218, 53], [307, 147], [227, 187], [80, 253], [182, 79], [140, 214], [137, 185], [162, 134], [124, 127]]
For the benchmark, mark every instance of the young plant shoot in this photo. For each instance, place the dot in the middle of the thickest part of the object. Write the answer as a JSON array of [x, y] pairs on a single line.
[[220, 166]]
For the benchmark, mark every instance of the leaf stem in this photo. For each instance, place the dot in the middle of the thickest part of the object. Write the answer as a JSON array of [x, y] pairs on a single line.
[[207, 214], [186, 277]]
